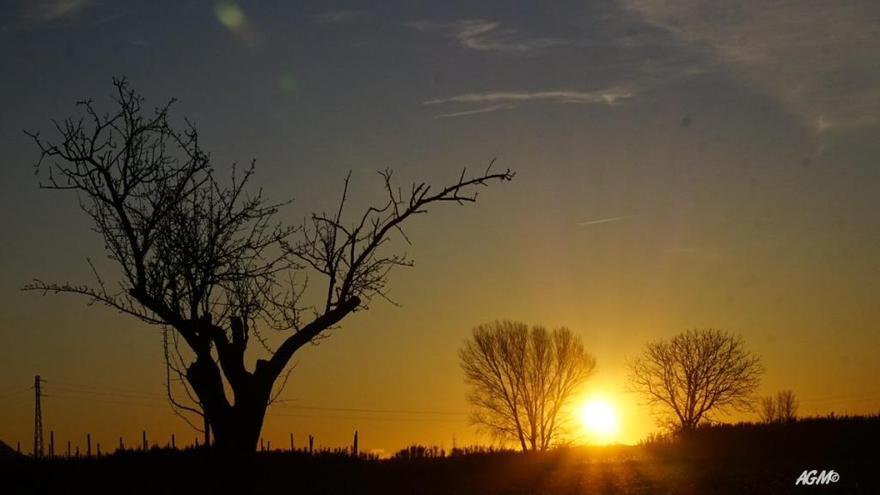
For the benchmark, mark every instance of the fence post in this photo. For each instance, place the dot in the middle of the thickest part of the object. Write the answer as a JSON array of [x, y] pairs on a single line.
[[68, 449], [99, 449], [88, 445], [121, 445], [311, 444], [173, 443], [51, 444], [144, 441], [291, 442], [354, 446]]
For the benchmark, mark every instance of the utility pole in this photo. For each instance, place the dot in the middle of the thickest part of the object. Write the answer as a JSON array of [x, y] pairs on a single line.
[[38, 420]]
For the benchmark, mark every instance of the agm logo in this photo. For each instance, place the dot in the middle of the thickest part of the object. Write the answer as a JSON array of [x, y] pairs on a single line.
[[814, 477]]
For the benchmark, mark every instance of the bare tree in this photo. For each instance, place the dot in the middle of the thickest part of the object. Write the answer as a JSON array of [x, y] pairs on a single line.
[[781, 408], [695, 374], [207, 261], [767, 410], [521, 379], [786, 406]]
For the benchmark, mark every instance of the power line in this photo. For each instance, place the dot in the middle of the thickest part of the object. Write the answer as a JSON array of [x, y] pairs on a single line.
[[842, 398], [92, 400], [16, 404], [366, 410], [364, 418], [132, 395], [116, 393], [139, 398], [104, 390], [16, 392]]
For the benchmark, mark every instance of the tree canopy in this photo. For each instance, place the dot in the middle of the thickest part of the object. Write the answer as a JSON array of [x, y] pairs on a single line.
[[695, 374], [522, 378]]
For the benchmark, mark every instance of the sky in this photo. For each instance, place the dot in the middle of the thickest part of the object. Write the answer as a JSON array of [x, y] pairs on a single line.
[[679, 165]]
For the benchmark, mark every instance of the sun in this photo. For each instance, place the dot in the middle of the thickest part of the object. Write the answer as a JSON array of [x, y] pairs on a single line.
[[599, 419]]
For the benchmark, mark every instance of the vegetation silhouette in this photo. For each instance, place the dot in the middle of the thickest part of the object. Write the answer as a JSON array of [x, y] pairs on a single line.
[[815, 439], [209, 263], [781, 408], [521, 380], [730, 459], [695, 374]]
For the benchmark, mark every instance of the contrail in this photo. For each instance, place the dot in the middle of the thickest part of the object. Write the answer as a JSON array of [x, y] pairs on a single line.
[[603, 220]]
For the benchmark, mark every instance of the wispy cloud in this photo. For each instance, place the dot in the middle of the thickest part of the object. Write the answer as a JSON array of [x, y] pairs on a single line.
[[818, 58], [40, 11], [608, 96], [483, 35], [33, 14], [342, 16], [493, 108], [603, 220], [504, 100]]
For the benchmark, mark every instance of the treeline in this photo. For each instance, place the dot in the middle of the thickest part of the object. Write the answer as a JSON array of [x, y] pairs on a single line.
[[818, 437]]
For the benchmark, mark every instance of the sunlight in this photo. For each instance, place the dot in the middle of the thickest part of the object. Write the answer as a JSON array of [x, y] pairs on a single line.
[[599, 419]]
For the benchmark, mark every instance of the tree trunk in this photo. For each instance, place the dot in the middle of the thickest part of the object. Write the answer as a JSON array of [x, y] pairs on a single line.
[[239, 432], [235, 427]]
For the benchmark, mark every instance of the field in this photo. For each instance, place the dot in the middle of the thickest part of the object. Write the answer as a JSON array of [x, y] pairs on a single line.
[[728, 459]]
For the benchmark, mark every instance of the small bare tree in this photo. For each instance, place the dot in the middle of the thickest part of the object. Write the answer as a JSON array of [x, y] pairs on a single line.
[[781, 408], [209, 263], [695, 374], [522, 378], [768, 409], [786, 406]]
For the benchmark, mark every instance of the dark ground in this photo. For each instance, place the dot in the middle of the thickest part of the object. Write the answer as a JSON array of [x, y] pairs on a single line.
[[739, 459], [555, 473]]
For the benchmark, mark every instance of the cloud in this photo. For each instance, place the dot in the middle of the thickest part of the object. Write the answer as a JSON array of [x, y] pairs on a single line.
[[493, 108], [818, 58], [608, 96], [64, 13], [344, 16], [42, 11], [603, 220], [483, 35], [502, 100]]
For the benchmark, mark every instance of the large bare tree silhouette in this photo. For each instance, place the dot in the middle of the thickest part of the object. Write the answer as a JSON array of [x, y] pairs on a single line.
[[521, 379], [695, 374], [207, 261]]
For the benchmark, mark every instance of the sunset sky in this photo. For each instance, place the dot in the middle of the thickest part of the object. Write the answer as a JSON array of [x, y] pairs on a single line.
[[679, 164]]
